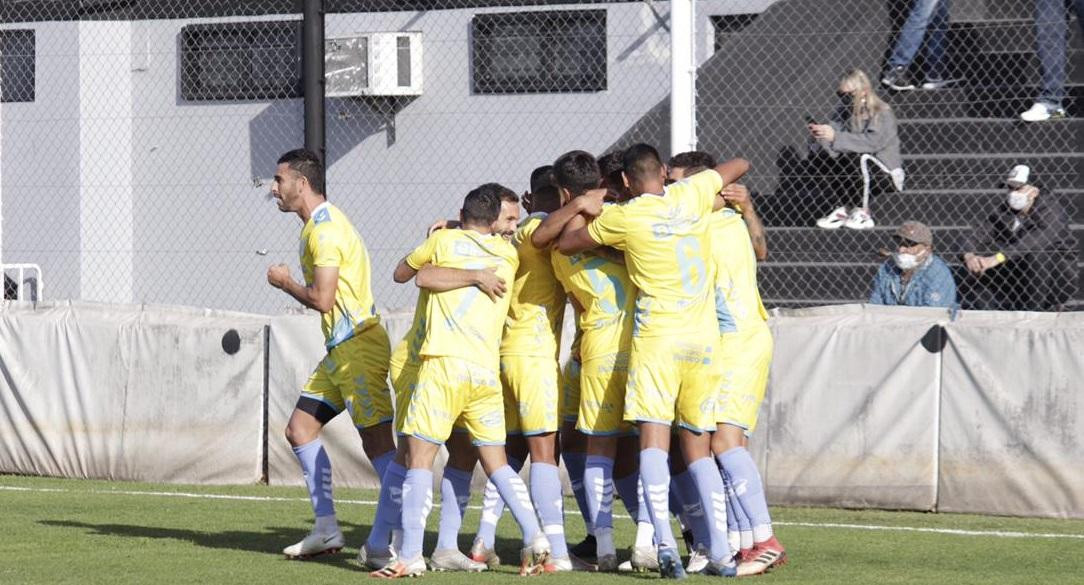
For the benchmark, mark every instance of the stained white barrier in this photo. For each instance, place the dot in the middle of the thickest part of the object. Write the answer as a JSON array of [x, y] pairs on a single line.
[[119, 392], [1012, 422], [851, 409], [867, 406]]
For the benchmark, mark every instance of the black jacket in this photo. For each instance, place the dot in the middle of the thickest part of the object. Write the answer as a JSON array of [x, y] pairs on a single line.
[[1044, 229]]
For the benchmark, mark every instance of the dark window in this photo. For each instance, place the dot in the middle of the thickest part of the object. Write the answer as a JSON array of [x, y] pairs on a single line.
[[241, 61], [728, 24], [540, 52], [17, 66]]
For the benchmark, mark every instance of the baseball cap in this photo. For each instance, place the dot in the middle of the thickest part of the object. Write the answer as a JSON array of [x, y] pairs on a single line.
[[1018, 176], [916, 232]]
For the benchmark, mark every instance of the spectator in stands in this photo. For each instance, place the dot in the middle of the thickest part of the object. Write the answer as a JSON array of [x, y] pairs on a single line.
[[914, 276], [1051, 33], [1022, 254], [927, 19], [861, 140]]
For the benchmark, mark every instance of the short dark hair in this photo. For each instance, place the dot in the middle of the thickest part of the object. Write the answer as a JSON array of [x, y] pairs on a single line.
[[307, 164], [577, 171], [611, 165], [542, 177], [509, 196], [483, 204], [693, 161], [547, 199], [641, 161]]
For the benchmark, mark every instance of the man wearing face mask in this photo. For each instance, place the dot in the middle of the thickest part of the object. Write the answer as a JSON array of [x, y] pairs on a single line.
[[914, 276], [1022, 255]]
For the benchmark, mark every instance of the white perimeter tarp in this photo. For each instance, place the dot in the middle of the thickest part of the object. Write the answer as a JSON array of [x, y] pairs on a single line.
[[851, 409], [1012, 423], [126, 392]]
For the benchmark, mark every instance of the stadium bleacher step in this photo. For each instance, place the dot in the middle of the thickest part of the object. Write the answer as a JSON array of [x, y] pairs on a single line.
[[970, 171], [971, 136], [966, 100], [986, 10], [957, 206], [1012, 67], [966, 36]]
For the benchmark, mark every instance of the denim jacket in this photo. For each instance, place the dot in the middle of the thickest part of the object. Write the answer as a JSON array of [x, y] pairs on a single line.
[[931, 285]]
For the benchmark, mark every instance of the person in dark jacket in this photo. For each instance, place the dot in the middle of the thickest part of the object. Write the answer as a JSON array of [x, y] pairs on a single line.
[[1022, 255], [914, 276]]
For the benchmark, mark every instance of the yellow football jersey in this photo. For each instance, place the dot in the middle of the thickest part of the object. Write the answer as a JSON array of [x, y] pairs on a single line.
[[667, 247], [608, 297], [330, 240], [465, 323], [538, 301], [737, 297]]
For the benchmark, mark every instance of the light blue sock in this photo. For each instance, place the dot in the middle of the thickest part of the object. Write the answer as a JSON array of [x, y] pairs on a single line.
[[737, 522], [574, 464], [389, 508], [454, 495], [317, 469], [655, 473], [692, 507], [492, 508], [749, 489], [549, 502], [380, 463], [712, 494], [599, 488], [514, 493], [417, 501], [628, 488]]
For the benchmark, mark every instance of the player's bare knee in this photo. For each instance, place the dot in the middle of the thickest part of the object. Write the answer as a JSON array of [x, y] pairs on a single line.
[[726, 437], [377, 439], [543, 448]]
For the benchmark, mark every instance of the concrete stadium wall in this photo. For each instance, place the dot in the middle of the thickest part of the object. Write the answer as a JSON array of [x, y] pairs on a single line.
[[868, 406]]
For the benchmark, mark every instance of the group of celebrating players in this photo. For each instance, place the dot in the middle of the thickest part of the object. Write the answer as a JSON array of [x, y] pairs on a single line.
[[669, 366]]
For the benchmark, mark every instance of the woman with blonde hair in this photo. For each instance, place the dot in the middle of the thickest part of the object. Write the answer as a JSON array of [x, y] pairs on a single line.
[[861, 135]]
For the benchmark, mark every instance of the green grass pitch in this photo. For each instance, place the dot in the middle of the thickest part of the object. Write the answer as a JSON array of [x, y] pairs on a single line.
[[74, 531]]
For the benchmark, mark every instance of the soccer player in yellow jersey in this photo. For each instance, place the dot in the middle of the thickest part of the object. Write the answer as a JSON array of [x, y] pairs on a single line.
[[672, 377], [353, 375], [405, 360], [605, 297], [458, 379], [737, 243]]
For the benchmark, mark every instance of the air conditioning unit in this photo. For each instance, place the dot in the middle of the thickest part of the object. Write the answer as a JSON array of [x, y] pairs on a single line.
[[374, 64]]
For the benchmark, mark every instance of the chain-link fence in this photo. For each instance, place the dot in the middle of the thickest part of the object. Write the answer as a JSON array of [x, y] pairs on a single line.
[[137, 138]]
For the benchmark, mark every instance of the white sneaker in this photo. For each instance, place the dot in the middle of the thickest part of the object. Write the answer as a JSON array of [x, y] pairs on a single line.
[[834, 220], [375, 560], [1041, 112], [565, 564], [314, 545], [698, 560], [450, 559], [534, 556], [859, 220]]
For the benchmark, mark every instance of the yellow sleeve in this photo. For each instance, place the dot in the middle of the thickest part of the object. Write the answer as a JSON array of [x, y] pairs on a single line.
[[325, 247], [423, 254], [609, 228], [704, 186], [523, 234]]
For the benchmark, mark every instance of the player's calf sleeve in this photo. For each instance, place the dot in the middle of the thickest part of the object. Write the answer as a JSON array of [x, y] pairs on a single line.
[[740, 532], [655, 473], [599, 488], [317, 469], [574, 464], [749, 489], [454, 495], [693, 507], [549, 502], [514, 493], [627, 488], [712, 494], [380, 463], [417, 501], [492, 509], [389, 509]]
